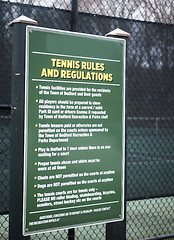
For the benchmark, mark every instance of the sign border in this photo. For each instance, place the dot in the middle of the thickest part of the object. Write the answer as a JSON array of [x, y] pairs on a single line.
[[42, 29]]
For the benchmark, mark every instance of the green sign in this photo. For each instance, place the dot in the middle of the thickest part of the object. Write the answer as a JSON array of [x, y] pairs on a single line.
[[74, 130]]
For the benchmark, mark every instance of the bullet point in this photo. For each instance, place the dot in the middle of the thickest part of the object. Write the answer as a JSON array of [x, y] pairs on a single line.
[[36, 125], [34, 195], [35, 177], [35, 185], [35, 163], [35, 149], [37, 100], [37, 87]]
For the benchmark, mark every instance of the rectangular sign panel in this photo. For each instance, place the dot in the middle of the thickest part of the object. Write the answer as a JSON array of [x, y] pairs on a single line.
[[74, 130]]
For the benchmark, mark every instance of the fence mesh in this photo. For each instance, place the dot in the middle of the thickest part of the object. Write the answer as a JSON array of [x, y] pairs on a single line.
[[150, 101]]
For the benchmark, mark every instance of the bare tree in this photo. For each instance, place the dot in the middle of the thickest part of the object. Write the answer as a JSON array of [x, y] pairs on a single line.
[[148, 10]]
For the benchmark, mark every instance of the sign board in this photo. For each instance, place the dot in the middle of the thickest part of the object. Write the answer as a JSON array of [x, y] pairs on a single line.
[[74, 130]]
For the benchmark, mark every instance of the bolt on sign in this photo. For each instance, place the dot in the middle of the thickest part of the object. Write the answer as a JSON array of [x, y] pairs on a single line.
[[74, 130]]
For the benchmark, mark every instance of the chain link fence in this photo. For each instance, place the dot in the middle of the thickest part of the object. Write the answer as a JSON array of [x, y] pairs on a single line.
[[150, 101]]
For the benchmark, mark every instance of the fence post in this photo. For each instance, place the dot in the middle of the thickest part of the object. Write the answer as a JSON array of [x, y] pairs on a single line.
[[74, 15], [117, 230], [71, 234], [74, 18], [17, 128]]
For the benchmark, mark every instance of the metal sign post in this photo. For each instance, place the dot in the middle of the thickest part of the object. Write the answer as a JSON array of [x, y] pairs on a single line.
[[117, 230], [17, 126]]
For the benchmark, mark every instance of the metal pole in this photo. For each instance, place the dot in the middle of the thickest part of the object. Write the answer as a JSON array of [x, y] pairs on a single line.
[[71, 234], [5, 106], [74, 15], [74, 19], [117, 230], [17, 132]]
